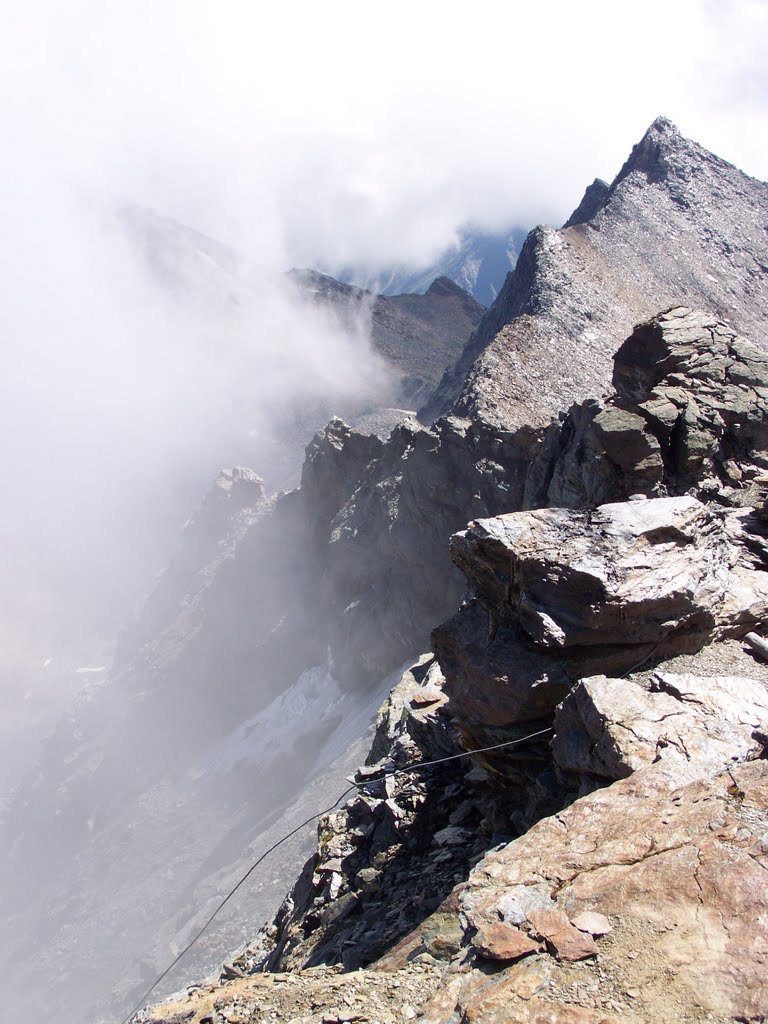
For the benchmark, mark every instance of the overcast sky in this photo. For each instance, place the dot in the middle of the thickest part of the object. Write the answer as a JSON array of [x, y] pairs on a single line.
[[345, 131]]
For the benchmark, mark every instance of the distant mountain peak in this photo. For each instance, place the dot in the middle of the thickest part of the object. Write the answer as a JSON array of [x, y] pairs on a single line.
[[445, 286], [677, 225], [478, 263]]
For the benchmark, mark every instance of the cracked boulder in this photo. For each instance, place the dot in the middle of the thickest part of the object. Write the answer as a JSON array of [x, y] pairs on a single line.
[[612, 727], [560, 594]]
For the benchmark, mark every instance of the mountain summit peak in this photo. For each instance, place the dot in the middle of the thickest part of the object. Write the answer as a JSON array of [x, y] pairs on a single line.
[[654, 153], [664, 126]]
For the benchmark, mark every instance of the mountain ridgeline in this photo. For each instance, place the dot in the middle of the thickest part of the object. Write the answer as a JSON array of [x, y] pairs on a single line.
[[601, 486], [479, 263]]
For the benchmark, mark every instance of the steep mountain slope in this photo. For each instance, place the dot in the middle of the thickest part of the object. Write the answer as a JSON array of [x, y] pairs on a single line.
[[386, 580], [677, 225]]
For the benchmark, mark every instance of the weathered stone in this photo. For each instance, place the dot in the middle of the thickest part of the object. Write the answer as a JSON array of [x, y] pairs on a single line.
[[567, 942], [490, 999], [500, 941], [626, 573], [683, 865], [452, 835], [594, 924], [408, 719], [689, 415], [494, 1009], [612, 727], [556, 592], [442, 935]]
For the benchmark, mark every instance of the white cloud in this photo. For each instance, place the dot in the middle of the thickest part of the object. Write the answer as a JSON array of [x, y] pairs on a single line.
[[353, 131]]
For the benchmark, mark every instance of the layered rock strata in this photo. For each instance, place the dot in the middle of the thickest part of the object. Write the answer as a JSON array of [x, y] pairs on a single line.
[[556, 595]]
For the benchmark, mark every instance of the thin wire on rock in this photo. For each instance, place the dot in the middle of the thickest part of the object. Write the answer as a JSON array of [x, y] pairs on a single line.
[[416, 766]]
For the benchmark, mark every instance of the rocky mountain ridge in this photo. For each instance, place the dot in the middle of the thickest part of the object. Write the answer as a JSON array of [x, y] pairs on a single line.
[[609, 613], [619, 857], [358, 575], [677, 224]]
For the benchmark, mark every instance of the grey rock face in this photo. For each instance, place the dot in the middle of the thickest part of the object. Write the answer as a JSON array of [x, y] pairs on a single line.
[[631, 572], [592, 201], [388, 572], [388, 858], [690, 413], [678, 225]]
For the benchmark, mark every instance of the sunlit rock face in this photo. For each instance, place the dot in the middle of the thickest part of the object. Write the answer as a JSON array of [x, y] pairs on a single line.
[[556, 595]]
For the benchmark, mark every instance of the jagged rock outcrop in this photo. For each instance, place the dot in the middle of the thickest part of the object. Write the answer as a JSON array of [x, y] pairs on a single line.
[[689, 413], [677, 224], [643, 898], [360, 893], [556, 595], [593, 200], [387, 572]]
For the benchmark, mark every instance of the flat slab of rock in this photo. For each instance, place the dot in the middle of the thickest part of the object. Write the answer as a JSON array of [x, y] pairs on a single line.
[[629, 572], [612, 727], [680, 872], [500, 941], [594, 924], [565, 941]]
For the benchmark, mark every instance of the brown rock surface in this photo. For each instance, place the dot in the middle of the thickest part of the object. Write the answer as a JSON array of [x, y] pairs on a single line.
[[679, 869], [565, 941], [612, 727], [499, 941]]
